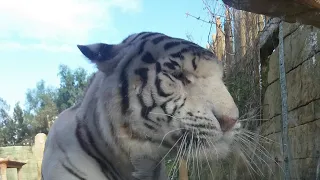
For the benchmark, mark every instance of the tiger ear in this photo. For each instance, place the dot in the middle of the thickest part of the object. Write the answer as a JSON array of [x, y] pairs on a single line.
[[101, 54]]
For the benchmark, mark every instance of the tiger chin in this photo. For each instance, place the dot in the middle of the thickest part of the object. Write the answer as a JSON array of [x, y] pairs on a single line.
[[152, 95]]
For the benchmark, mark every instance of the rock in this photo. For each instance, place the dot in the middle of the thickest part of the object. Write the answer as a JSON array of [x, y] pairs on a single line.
[[273, 73], [294, 88], [272, 98], [310, 79]]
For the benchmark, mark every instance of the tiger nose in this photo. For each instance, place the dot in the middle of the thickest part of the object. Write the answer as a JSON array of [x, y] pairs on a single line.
[[226, 123]]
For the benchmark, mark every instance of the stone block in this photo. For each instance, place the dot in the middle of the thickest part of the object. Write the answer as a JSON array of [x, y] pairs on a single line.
[[271, 126], [272, 158], [302, 115], [272, 99], [317, 109], [304, 168], [310, 79], [293, 120], [304, 142], [304, 42], [289, 28], [293, 81], [306, 113]]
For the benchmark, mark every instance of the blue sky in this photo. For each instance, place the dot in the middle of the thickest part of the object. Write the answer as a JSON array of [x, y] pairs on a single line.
[[38, 35]]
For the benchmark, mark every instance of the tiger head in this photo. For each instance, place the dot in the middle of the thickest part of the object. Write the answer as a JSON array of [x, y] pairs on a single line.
[[166, 91]]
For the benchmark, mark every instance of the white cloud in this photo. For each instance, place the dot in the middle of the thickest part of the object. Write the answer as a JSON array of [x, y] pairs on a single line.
[[63, 21]]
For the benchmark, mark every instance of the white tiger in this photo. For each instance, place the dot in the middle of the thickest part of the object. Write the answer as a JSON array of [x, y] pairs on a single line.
[[153, 94]]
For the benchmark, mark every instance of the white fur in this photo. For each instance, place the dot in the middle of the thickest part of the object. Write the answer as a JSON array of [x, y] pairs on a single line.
[[206, 97]]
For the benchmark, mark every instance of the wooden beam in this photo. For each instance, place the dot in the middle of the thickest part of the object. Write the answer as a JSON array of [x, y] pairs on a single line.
[[183, 170]]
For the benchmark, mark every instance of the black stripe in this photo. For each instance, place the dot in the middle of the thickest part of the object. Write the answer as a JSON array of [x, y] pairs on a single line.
[[126, 39], [175, 63], [159, 39], [176, 100], [188, 43], [92, 150], [124, 91], [141, 47], [148, 58], [170, 45], [149, 35], [194, 65], [173, 112], [168, 76], [137, 36], [68, 160], [177, 55], [159, 89], [169, 65], [203, 126], [145, 110], [143, 73], [72, 172], [184, 101], [163, 107], [158, 67], [149, 126]]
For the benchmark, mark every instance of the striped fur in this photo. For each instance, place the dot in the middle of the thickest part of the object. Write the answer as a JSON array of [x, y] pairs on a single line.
[[152, 95]]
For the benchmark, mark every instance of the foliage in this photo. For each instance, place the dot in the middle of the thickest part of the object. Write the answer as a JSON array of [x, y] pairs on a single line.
[[42, 106], [13, 130], [21, 126], [72, 85]]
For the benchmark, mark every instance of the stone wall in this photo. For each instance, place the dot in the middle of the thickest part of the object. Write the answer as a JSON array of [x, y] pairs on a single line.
[[302, 63], [32, 155]]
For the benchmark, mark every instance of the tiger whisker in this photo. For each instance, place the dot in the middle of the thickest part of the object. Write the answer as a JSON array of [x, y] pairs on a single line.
[[207, 161], [169, 151], [249, 133], [264, 152], [176, 161], [247, 144], [244, 157], [169, 133]]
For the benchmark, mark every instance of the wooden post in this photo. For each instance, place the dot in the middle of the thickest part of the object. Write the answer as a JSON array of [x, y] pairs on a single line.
[[242, 34], [219, 41], [3, 167], [40, 140], [183, 170], [228, 41]]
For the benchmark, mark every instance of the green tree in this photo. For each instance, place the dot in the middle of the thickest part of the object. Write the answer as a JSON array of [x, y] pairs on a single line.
[[72, 85], [21, 126], [42, 106], [6, 125], [4, 110], [41, 109]]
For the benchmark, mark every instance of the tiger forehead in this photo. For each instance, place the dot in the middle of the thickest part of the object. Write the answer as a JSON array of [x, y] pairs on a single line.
[[167, 43], [171, 54], [154, 46]]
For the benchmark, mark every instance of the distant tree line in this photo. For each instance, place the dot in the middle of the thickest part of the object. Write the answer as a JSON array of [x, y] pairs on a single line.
[[42, 105]]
